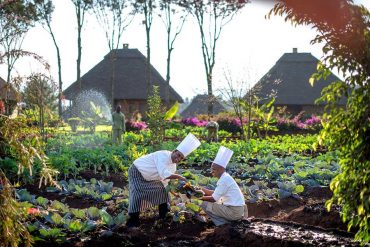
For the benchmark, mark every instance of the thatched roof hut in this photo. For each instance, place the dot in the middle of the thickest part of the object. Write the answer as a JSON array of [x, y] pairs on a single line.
[[288, 80]]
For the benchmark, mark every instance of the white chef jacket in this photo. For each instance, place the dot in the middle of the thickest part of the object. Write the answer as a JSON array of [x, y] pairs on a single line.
[[228, 192], [156, 166]]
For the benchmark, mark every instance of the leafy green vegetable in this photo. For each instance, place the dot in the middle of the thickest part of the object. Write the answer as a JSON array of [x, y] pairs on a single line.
[[53, 234], [59, 206], [105, 187], [107, 218], [193, 207], [79, 213], [24, 196], [42, 201], [56, 219], [93, 213], [76, 226], [105, 196], [298, 189]]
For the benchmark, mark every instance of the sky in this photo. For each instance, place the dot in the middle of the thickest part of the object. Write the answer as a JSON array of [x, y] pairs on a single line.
[[248, 47]]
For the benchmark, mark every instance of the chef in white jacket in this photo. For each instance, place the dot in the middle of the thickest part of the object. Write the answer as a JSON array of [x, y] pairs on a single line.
[[150, 174], [225, 203]]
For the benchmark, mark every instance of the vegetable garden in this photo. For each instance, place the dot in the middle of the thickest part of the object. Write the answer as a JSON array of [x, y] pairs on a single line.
[[284, 181], [68, 186]]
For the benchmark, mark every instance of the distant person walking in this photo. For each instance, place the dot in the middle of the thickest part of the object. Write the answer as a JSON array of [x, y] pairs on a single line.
[[119, 127]]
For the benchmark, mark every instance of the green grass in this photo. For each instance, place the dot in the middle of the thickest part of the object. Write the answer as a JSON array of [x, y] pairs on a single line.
[[99, 128]]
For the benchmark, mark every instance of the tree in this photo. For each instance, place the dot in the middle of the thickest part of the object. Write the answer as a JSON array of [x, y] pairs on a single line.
[[234, 94], [81, 8], [114, 16], [240, 94], [13, 39], [46, 11], [156, 117], [211, 16], [16, 18], [39, 94], [344, 32], [170, 15], [146, 7]]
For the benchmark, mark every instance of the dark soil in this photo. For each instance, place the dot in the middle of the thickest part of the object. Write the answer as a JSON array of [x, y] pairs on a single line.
[[316, 215], [317, 193], [272, 233], [309, 210], [255, 232], [272, 208]]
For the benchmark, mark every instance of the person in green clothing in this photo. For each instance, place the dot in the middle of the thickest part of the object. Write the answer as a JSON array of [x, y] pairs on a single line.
[[119, 127], [212, 130]]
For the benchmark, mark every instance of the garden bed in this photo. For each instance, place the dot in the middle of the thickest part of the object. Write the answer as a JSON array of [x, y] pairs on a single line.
[[284, 181], [286, 222], [256, 232]]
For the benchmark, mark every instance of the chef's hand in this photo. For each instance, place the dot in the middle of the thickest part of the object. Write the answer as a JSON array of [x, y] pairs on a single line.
[[177, 176]]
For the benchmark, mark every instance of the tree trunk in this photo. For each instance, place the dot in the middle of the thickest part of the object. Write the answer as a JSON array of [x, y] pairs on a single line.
[[60, 84], [60, 110], [249, 117], [169, 49], [208, 77], [241, 125], [113, 75], [147, 67], [210, 95], [42, 118], [7, 89], [207, 65], [79, 46]]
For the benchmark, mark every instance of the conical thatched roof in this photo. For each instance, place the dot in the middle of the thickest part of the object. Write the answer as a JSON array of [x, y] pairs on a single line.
[[129, 77], [12, 94], [199, 105], [289, 78]]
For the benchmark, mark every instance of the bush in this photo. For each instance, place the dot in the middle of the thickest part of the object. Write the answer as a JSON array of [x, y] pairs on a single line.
[[229, 124], [298, 123], [9, 167], [156, 114], [13, 230], [135, 126], [193, 121]]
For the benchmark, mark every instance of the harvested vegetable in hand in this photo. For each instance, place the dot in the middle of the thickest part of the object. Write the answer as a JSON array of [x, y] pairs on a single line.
[[185, 188]]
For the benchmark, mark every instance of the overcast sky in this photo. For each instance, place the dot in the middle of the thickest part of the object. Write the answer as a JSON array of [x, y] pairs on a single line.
[[249, 46]]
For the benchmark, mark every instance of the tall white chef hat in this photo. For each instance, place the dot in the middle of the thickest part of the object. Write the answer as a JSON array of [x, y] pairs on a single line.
[[188, 145], [223, 156]]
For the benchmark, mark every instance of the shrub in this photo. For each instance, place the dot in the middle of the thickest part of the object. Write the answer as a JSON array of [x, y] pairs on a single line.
[[156, 115], [193, 121], [135, 126], [13, 229], [229, 124], [297, 123]]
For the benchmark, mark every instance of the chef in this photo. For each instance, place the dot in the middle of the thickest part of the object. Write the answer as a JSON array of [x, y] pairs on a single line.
[[150, 174], [225, 203]]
